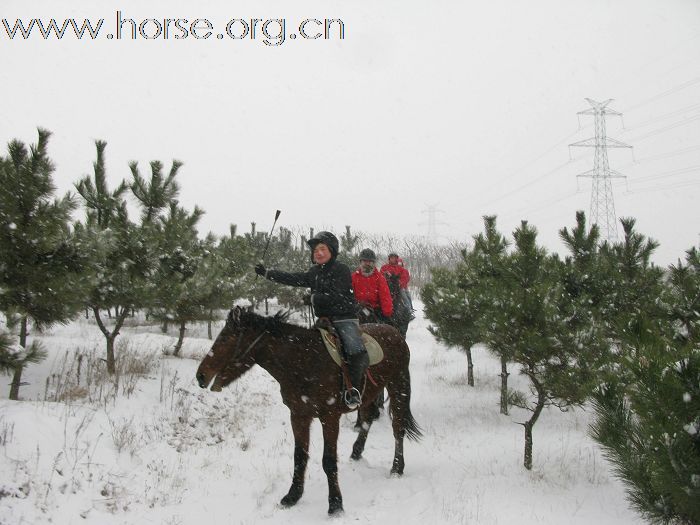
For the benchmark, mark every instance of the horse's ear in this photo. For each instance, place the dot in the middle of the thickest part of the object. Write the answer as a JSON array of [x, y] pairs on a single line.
[[234, 315]]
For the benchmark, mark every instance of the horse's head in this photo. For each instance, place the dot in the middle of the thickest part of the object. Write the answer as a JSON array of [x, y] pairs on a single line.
[[234, 349], [231, 354], [394, 285]]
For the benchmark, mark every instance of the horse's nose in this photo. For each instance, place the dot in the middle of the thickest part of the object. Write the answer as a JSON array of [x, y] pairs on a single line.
[[201, 380]]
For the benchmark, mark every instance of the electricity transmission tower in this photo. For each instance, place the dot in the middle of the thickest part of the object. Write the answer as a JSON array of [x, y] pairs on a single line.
[[432, 235], [602, 203]]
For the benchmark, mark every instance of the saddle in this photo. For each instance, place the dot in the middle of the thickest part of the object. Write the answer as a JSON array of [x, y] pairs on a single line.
[[332, 343]]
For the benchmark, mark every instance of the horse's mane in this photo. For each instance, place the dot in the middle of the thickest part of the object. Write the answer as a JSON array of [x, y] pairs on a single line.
[[275, 324]]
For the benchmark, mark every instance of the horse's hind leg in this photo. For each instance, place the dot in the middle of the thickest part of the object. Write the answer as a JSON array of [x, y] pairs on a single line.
[[398, 463], [331, 425], [300, 427], [402, 421]]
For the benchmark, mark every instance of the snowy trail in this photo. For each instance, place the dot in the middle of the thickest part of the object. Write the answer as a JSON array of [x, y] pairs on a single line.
[[227, 458]]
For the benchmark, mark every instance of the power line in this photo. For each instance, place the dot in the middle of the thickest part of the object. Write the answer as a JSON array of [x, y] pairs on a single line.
[[681, 111], [653, 98], [670, 126], [528, 184]]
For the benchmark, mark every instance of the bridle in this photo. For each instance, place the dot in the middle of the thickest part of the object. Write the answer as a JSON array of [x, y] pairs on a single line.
[[240, 357]]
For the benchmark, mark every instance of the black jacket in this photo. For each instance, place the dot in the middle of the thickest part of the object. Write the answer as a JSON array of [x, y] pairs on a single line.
[[331, 288]]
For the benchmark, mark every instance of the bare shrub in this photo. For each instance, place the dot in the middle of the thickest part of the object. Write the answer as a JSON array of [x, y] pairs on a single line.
[[123, 435], [83, 374], [7, 431]]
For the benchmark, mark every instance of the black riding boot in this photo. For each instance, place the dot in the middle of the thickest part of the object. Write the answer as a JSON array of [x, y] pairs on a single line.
[[357, 367]]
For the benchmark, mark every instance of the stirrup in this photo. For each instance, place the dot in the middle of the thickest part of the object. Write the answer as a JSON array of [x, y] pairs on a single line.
[[352, 398]]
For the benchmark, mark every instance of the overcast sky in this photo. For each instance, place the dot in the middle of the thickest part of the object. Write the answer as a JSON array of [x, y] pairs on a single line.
[[466, 107]]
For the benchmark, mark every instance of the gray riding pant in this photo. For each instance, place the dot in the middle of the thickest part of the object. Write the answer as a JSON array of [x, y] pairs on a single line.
[[349, 332]]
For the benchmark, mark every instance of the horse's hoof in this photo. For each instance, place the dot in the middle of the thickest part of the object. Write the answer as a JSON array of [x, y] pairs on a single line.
[[396, 473], [356, 453], [290, 500], [335, 507]]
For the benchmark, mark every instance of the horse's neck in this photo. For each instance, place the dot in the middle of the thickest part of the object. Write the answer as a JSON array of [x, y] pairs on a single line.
[[280, 355]]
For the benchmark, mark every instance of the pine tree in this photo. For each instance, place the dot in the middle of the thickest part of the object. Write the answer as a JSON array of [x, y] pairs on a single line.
[[648, 414], [454, 308], [180, 293], [348, 243], [39, 261], [221, 273], [491, 261], [634, 294], [118, 250], [558, 354]]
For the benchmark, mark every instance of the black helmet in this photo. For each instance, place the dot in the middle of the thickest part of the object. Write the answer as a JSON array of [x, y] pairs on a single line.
[[326, 238], [367, 255]]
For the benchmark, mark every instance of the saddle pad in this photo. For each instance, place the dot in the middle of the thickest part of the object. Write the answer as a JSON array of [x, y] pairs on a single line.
[[376, 354]]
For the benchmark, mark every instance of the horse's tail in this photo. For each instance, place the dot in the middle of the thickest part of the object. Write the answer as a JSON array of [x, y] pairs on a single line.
[[402, 401]]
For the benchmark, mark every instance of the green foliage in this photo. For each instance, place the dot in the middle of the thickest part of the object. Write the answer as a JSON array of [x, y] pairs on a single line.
[[684, 297], [102, 205], [156, 194], [530, 308], [559, 353], [14, 357], [179, 292], [648, 412], [451, 307], [651, 431], [348, 244], [494, 286], [295, 257], [118, 249], [39, 262]]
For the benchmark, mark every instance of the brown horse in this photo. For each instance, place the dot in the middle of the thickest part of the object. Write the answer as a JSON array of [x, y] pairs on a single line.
[[311, 383]]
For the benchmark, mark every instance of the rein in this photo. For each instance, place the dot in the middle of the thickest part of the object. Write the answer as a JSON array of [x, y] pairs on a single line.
[[250, 346]]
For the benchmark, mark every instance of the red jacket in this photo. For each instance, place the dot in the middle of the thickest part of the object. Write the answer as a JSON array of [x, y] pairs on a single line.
[[372, 291], [402, 272]]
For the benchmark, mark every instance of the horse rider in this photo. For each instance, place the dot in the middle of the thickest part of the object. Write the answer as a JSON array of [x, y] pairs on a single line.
[[374, 297], [371, 289], [332, 297], [395, 266]]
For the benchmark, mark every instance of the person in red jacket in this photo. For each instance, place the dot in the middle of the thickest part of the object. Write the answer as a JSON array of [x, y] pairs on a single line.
[[371, 290], [395, 266]]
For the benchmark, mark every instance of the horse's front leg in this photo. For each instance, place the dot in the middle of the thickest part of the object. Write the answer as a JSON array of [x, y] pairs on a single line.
[[331, 425], [300, 428]]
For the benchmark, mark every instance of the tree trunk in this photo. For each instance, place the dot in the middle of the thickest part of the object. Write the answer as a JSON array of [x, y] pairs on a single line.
[[17, 376], [181, 338], [504, 386], [209, 323], [528, 446], [470, 368], [164, 327], [267, 307], [110, 336], [541, 398], [111, 365]]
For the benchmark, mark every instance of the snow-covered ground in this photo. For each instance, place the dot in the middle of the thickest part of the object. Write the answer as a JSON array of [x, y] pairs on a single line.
[[163, 451]]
